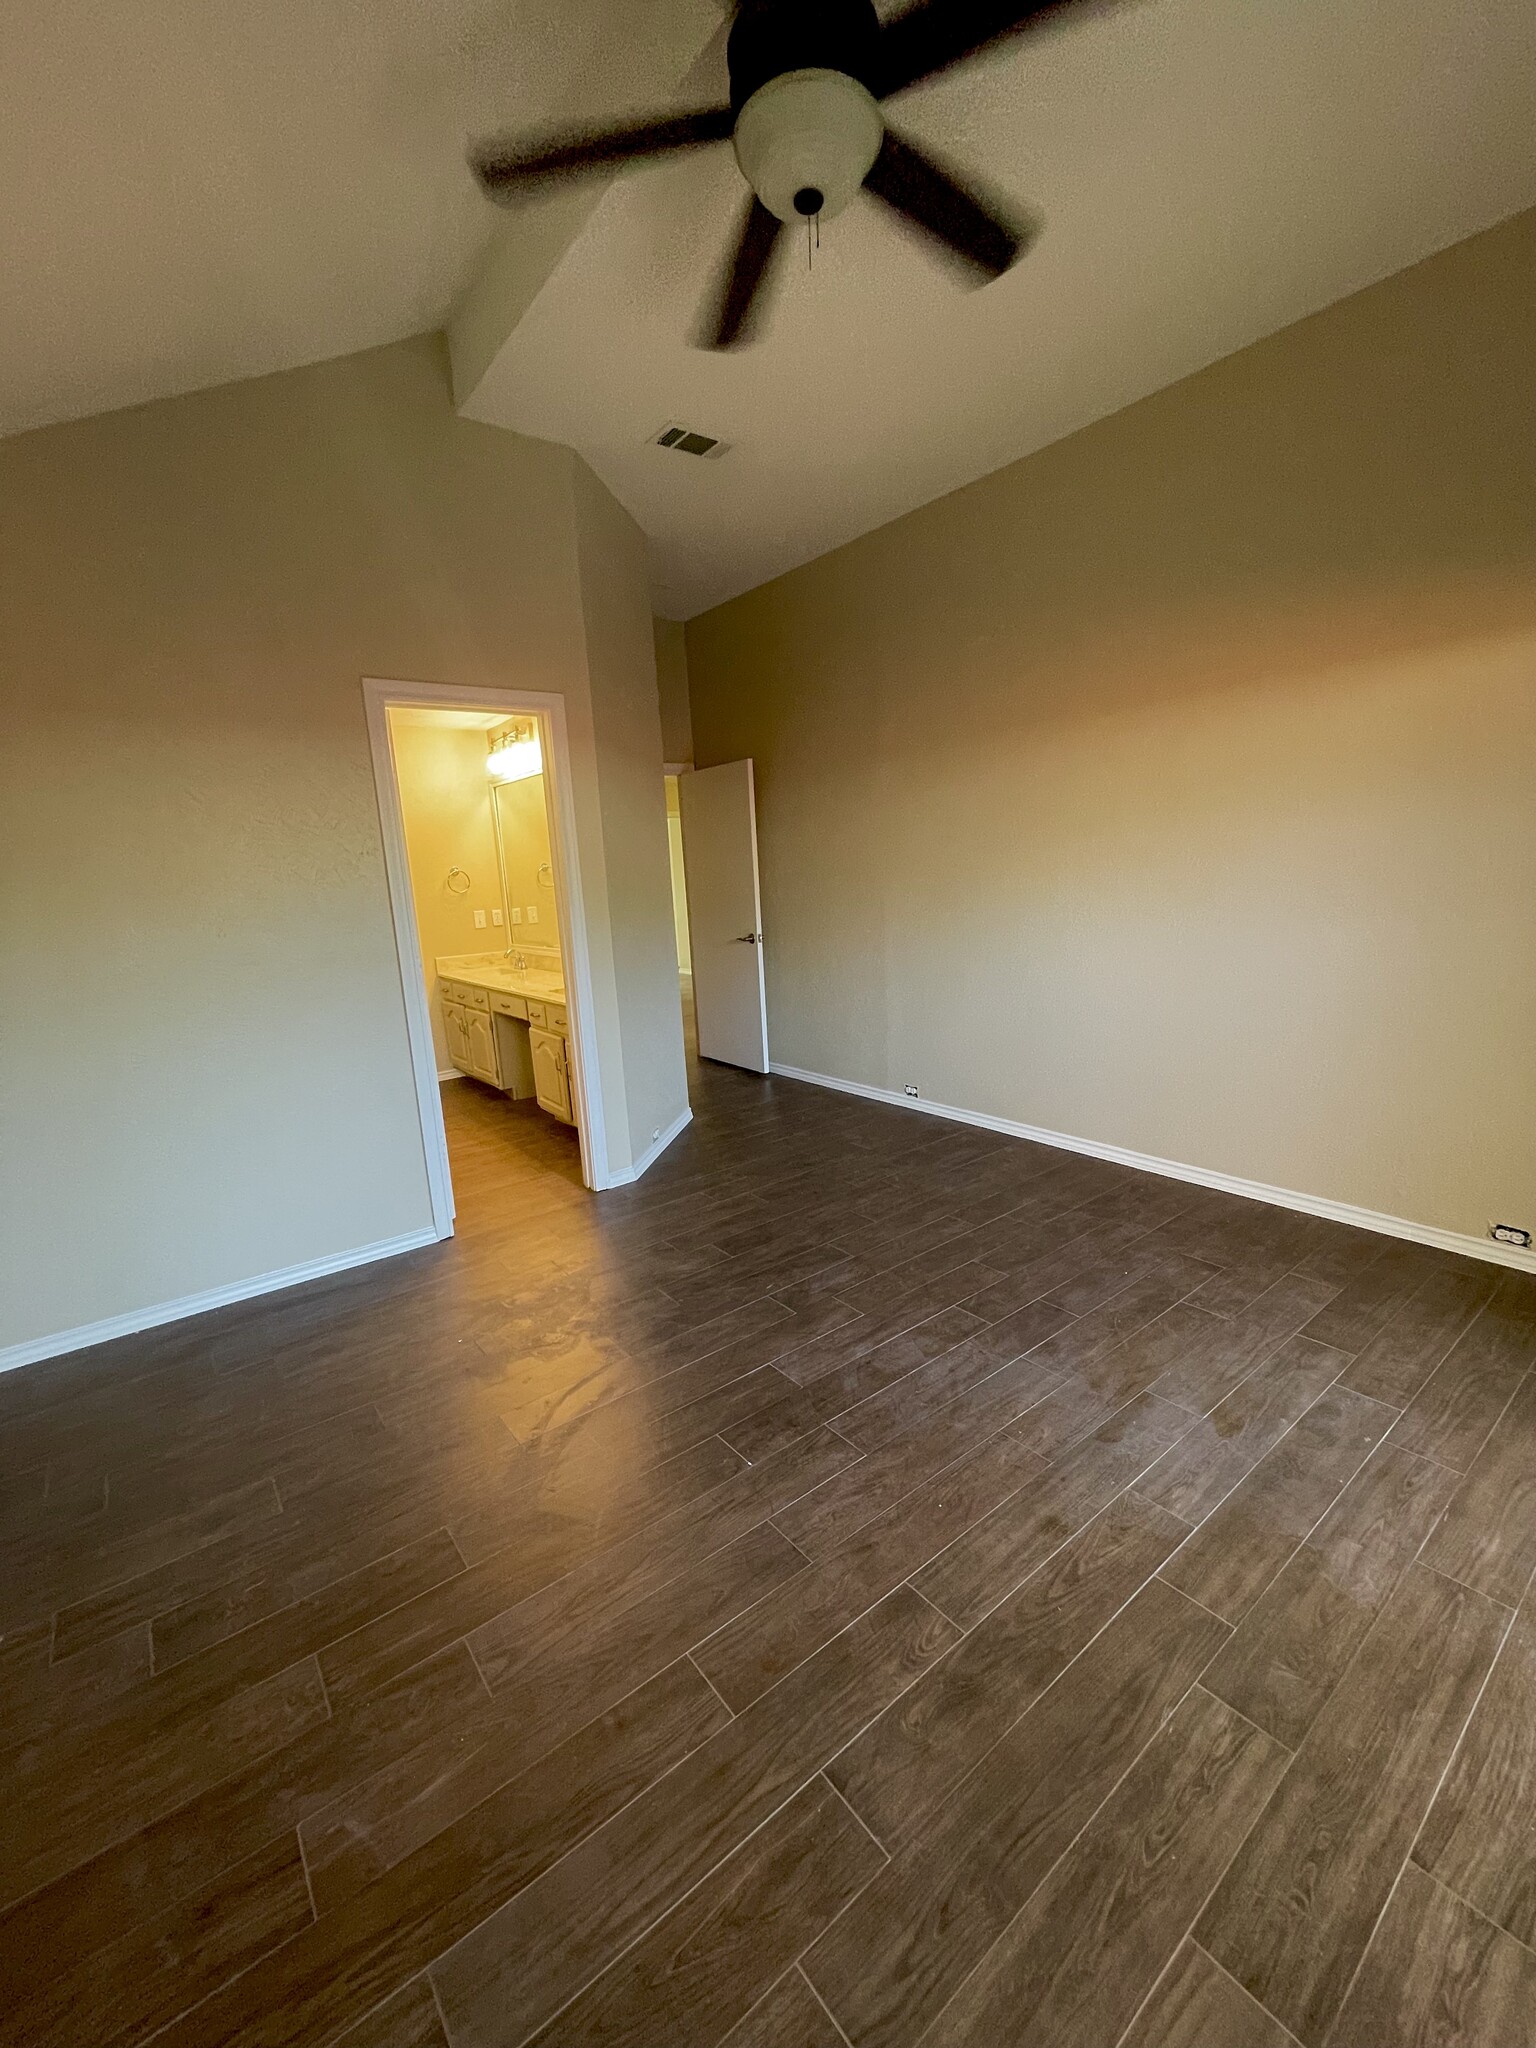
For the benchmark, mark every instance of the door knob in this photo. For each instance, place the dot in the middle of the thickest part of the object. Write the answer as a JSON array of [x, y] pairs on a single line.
[[747, 939]]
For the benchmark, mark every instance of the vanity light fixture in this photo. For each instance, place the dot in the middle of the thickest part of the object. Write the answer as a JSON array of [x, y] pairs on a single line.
[[515, 753]]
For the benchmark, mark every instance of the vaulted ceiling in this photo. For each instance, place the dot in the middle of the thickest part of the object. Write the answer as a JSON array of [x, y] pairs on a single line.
[[199, 190]]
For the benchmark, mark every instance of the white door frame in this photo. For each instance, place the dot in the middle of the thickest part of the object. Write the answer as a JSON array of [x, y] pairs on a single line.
[[379, 696]]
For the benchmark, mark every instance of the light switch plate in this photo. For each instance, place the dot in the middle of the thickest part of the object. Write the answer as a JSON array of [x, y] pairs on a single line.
[[479, 920], [495, 917], [517, 915], [533, 913]]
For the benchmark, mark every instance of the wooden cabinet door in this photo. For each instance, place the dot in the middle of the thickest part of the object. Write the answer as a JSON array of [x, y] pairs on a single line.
[[551, 1077], [456, 1031], [482, 1047]]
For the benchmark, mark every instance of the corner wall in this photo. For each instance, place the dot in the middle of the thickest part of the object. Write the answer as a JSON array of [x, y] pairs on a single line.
[[627, 729], [206, 1076], [1175, 788], [672, 690]]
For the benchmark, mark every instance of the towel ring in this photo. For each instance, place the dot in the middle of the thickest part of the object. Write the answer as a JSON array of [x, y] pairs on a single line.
[[459, 887]]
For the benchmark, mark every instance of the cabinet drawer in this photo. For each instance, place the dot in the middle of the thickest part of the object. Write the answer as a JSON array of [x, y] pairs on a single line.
[[536, 1014], [461, 992], [554, 1017], [509, 1006]]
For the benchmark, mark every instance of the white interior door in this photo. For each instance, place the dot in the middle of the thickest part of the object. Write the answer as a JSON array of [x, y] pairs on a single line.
[[725, 915]]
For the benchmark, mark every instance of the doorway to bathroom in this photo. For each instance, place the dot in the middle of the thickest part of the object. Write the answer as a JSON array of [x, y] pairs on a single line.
[[486, 903]]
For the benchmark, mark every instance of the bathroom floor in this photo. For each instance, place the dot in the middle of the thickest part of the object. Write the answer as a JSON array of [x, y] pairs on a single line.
[[872, 1582]]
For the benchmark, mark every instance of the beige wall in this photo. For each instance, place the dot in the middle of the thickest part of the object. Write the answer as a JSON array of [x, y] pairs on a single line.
[[205, 1074], [626, 724], [1176, 787], [672, 688]]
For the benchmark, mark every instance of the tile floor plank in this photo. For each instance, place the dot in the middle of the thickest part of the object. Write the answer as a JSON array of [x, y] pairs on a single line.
[[1480, 1837], [1437, 1975], [131, 1987], [1197, 2005], [71, 1796], [377, 1823], [1295, 1643], [1218, 1361], [983, 1566], [1454, 1412], [894, 1960], [707, 1962], [1239, 1548], [843, 1388], [905, 1764], [822, 1521], [1223, 1447], [790, 2016], [1487, 1537], [1074, 1966], [185, 1851], [312, 1987], [1292, 1918], [522, 1964], [1403, 1354], [408, 2020], [745, 1656]]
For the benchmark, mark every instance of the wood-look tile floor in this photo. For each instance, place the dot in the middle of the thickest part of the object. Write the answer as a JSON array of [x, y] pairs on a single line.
[[874, 1582]]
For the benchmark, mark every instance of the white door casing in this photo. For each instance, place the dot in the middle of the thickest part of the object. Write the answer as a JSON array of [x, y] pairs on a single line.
[[719, 816], [379, 694]]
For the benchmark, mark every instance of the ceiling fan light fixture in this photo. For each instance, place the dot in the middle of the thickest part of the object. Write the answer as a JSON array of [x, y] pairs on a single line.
[[805, 142]]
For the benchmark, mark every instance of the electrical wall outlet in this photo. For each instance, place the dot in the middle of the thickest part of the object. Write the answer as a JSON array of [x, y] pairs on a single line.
[[1510, 1233], [479, 920], [495, 917], [910, 1089]]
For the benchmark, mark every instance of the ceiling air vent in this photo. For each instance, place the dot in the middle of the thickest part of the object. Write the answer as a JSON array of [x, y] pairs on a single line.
[[687, 442]]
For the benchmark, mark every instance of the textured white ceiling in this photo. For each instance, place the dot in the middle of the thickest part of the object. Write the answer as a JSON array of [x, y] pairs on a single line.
[[198, 190], [1209, 171]]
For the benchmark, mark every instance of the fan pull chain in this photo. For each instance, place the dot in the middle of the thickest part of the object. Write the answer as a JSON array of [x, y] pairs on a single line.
[[812, 239]]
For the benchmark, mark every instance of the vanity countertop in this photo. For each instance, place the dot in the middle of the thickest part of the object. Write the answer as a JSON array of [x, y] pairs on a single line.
[[543, 984]]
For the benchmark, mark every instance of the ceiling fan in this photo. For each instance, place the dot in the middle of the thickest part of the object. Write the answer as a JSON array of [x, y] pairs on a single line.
[[807, 78]]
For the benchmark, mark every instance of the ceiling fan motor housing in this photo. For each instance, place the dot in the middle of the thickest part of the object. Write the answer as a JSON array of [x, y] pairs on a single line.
[[807, 126], [805, 142]]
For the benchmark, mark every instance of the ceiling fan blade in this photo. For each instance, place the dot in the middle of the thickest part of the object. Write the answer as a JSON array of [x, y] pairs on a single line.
[[508, 171], [740, 299], [914, 186], [934, 34]]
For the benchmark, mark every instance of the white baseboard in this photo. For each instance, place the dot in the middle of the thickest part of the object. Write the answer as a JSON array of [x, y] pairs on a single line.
[[652, 1152], [138, 1319], [450, 1074], [1173, 1169]]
